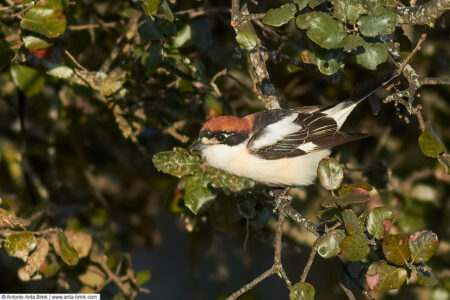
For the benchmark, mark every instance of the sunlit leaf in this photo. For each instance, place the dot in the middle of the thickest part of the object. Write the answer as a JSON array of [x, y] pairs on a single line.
[[373, 55], [423, 244], [426, 277], [94, 277], [167, 11], [380, 20], [142, 277], [348, 11], [33, 42], [378, 221], [197, 196], [68, 254], [429, 143], [328, 244], [246, 39], [330, 173], [302, 291], [37, 257], [381, 277], [20, 245], [352, 224], [184, 35], [29, 80], [44, 20], [280, 16], [151, 7], [396, 248], [325, 31], [355, 247], [301, 4], [178, 162]]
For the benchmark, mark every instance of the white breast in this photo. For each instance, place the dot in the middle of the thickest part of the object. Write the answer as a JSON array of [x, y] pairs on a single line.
[[296, 171]]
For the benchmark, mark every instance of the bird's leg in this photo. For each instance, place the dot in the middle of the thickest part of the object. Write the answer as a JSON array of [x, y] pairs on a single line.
[[281, 196]]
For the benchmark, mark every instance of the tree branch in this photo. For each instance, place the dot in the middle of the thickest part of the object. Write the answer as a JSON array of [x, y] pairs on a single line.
[[423, 14], [263, 86]]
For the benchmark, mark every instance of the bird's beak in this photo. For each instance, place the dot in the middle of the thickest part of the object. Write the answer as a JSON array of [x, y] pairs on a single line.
[[199, 146]]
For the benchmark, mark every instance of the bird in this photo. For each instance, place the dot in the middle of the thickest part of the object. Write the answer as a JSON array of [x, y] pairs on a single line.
[[278, 147]]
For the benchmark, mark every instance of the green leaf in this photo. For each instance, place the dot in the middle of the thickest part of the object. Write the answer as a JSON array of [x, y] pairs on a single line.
[[303, 21], [314, 3], [20, 245], [167, 11], [373, 55], [328, 244], [378, 221], [330, 173], [353, 193], [426, 277], [184, 35], [355, 247], [29, 80], [329, 215], [68, 254], [246, 39], [348, 11], [302, 291], [224, 180], [197, 196], [396, 248], [280, 16], [153, 57], [352, 224], [301, 3], [325, 31], [151, 7], [352, 42], [178, 162], [423, 244], [381, 276], [329, 62], [32, 42], [429, 143], [48, 21], [148, 29], [379, 21], [142, 277]]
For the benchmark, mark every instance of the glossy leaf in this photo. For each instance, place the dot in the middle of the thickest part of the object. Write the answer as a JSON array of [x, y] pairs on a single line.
[[178, 162], [325, 31], [303, 21], [348, 11], [33, 42], [302, 291], [301, 4], [381, 277], [314, 3], [184, 35], [44, 20], [246, 39], [379, 21], [354, 193], [151, 7], [423, 244], [328, 244], [329, 62], [429, 143], [426, 277], [330, 173], [29, 80], [280, 16], [197, 196], [352, 224], [20, 245], [68, 253], [355, 247], [352, 42], [167, 11], [378, 221], [396, 248], [224, 180], [373, 55]]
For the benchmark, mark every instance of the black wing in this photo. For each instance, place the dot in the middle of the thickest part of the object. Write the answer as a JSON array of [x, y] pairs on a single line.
[[317, 132]]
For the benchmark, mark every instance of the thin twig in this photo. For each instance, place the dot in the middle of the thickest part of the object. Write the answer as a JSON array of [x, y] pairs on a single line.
[[75, 61], [412, 53], [310, 261], [91, 26]]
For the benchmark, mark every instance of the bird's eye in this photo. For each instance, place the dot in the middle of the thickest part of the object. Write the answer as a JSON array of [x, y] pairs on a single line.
[[221, 137]]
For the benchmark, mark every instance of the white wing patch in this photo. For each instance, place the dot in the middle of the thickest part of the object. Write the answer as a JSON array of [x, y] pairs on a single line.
[[307, 147], [277, 131]]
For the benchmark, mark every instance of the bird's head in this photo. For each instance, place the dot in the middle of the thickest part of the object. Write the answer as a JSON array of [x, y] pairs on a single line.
[[225, 130]]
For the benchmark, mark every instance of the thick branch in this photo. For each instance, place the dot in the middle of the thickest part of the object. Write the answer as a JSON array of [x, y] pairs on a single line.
[[423, 14]]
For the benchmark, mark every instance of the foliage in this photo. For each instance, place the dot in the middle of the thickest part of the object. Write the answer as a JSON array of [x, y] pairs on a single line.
[[95, 93]]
